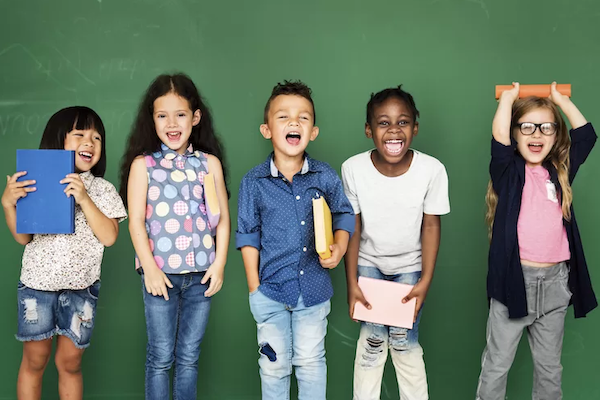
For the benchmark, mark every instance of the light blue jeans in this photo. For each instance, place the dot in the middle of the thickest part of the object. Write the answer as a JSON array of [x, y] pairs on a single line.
[[291, 337], [175, 329], [406, 352]]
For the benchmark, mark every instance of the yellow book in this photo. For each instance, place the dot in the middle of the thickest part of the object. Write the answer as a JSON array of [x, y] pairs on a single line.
[[211, 200], [323, 227]]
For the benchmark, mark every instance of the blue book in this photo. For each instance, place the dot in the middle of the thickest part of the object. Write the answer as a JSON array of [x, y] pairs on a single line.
[[48, 209]]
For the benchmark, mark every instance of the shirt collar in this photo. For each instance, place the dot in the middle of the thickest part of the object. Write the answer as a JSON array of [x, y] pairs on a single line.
[[171, 154], [269, 169]]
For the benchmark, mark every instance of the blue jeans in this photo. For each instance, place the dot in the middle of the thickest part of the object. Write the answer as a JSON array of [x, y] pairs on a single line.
[[405, 350], [175, 329], [291, 337]]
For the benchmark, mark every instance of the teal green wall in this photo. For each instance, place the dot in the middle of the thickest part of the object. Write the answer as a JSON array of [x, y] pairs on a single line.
[[448, 53]]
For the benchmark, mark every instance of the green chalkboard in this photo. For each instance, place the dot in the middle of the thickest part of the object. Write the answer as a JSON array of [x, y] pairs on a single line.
[[448, 53]]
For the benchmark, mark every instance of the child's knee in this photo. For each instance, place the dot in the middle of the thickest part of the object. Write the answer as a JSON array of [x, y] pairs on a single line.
[[68, 363], [36, 362], [372, 351]]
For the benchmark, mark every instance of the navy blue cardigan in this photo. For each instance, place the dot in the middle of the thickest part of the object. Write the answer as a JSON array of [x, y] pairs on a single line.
[[505, 281]]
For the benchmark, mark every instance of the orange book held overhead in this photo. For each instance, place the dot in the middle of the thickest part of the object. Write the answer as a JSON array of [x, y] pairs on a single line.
[[535, 90], [323, 227]]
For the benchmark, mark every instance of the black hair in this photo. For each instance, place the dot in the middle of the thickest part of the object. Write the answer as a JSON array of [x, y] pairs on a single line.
[[68, 119], [143, 138], [397, 93], [297, 88]]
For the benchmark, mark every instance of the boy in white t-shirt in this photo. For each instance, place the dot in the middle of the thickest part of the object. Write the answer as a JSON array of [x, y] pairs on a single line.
[[398, 195]]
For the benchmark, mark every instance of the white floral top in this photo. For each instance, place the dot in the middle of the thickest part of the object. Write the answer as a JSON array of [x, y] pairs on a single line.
[[72, 261]]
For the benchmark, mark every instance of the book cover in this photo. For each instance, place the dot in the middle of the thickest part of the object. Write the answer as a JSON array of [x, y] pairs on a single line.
[[48, 209], [211, 201], [385, 298], [323, 227]]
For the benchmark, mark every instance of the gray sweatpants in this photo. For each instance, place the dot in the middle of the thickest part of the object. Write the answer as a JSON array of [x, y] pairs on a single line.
[[548, 297]]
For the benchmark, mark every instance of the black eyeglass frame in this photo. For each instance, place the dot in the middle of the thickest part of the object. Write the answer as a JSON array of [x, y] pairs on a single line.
[[537, 126]]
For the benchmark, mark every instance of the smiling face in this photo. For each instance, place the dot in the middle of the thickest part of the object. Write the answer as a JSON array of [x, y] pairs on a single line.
[[87, 145], [535, 147], [174, 120], [392, 129], [290, 126]]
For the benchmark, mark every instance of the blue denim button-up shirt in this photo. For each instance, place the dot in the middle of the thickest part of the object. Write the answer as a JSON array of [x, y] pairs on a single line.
[[275, 216]]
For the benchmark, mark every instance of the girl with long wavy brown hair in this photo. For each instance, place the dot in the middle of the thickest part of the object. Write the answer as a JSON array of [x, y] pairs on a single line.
[[536, 262]]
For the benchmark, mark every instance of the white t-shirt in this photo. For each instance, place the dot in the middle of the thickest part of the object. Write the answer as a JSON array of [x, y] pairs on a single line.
[[391, 209]]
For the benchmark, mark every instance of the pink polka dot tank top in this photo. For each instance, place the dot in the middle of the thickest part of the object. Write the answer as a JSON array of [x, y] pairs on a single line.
[[180, 236]]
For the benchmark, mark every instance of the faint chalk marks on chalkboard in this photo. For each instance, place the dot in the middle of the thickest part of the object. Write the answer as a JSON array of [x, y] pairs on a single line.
[[483, 6], [120, 67], [15, 124], [346, 340], [39, 66], [76, 68]]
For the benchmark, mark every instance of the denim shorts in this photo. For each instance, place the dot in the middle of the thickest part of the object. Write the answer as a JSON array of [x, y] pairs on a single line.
[[42, 314]]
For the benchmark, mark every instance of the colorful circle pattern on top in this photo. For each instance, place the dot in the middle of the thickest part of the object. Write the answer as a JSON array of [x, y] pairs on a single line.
[[178, 229]]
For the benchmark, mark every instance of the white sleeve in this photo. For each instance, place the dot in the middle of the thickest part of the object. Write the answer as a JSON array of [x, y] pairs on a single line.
[[350, 186], [436, 199]]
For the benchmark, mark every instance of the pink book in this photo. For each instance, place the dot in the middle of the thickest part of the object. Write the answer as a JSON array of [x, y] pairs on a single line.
[[385, 298]]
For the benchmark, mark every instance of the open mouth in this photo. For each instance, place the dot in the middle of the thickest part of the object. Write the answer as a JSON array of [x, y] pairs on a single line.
[[535, 147], [173, 136], [394, 146], [293, 138], [86, 156]]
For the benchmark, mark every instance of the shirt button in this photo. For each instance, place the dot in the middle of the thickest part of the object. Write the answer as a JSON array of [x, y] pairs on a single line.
[[301, 272], [302, 222], [304, 249], [297, 197]]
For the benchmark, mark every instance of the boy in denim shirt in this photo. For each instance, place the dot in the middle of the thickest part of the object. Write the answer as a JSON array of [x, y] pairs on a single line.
[[289, 283]]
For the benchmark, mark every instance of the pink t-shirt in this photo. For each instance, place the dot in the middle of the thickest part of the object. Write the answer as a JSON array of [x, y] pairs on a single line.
[[542, 235]]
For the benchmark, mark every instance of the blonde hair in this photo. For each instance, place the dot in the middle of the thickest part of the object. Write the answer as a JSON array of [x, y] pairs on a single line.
[[558, 156]]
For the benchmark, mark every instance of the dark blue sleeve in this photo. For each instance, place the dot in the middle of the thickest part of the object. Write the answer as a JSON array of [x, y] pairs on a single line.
[[583, 140], [248, 230], [341, 209], [502, 164]]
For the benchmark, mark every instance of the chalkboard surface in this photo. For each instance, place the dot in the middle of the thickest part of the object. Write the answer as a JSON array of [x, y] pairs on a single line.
[[449, 54]]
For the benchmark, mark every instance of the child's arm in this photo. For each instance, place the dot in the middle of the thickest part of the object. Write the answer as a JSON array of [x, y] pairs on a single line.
[[250, 256], [430, 244], [501, 128], [351, 262], [248, 231], [575, 117], [155, 280], [215, 271], [338, 249], [12, 193], [105, 229]]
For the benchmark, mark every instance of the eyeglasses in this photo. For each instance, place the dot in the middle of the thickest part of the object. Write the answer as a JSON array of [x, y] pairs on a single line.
[[528, 128]]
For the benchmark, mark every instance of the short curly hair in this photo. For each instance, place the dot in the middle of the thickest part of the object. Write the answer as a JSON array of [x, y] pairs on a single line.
[[297, 88]]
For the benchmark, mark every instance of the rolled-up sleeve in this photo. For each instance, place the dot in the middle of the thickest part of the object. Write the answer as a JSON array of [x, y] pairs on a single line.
[[341, 209], [248, 230]]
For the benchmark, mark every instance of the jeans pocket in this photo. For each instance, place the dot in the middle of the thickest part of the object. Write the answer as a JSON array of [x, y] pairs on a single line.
[[252, 293]]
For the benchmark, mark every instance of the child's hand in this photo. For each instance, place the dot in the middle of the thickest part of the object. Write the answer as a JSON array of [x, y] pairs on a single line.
[[215, 274], [15, 190], [558, 98], [75, 188], [510, 95], [156, 282], [355, 294], [334, 260], [420, 292]]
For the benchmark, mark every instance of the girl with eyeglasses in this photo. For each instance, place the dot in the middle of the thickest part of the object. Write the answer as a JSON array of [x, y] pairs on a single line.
[[536, 261]]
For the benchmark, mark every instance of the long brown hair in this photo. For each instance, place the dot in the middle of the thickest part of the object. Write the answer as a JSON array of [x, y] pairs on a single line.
[[558, 156]]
